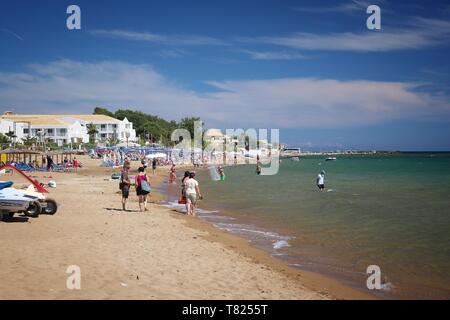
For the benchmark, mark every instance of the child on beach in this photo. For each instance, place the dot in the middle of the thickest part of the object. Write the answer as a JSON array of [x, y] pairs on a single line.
[[142, 183]]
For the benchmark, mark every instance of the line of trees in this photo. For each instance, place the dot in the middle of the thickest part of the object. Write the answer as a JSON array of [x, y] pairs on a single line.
[[149, 127]]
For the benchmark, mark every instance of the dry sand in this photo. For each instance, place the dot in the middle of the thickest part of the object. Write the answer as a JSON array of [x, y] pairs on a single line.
[[158, 254]]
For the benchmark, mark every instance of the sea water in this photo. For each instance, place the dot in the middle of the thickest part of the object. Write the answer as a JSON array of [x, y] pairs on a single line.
[[392, 211]]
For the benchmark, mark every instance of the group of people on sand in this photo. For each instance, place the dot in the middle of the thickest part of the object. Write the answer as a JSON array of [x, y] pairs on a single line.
[[142, 185], [190, 189]]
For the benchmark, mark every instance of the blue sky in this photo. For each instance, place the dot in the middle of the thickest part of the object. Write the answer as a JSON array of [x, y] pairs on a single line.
[[310, 68]]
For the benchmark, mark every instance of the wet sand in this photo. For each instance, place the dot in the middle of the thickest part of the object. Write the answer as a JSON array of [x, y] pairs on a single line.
[[159, 254]]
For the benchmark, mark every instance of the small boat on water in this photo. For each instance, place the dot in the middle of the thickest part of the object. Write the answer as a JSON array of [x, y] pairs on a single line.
[[330, 159], [295, 159]]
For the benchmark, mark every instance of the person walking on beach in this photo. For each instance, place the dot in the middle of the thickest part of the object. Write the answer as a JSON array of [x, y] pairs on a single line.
[[183, 187], [154, 163], [192, 190], [320, 180], [49, 163], [75, 163], [125, 185], [142, 188], [144, 162]]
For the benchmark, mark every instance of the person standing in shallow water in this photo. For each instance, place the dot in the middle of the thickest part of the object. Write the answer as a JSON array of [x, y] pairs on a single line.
[[320, 180], [172, 174], [141, 182], [258, 165]]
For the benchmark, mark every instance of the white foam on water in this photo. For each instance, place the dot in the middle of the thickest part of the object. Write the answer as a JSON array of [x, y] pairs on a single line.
[[216, 217], [276, 240], [280, 244], [182, 208], [277, 254]]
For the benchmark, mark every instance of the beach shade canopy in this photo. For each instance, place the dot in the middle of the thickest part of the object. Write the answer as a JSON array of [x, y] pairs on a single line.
[[156, 155], [19, 151], [129, 144]]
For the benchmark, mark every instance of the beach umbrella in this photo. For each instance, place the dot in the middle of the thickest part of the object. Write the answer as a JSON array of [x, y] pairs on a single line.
[[156, 155]]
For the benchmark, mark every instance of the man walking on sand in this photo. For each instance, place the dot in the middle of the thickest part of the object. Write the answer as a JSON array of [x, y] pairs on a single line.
[[125, 185], [192, 191]]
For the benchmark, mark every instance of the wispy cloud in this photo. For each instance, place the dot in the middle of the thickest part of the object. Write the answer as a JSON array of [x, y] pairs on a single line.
[[12, 33], [172, 53], [350, 6], [414, 33], [170, 40], [67, 86], [273, 55], [420, 33]]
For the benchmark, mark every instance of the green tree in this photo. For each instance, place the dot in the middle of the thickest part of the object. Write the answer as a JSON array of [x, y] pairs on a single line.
[[188, 124], [92, 131], [106, 112], [11, 135], [149, 127], [112, 141], [4, 141], [29, 141]]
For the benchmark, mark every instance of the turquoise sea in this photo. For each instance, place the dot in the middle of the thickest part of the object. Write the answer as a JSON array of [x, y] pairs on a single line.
[[392, 211]]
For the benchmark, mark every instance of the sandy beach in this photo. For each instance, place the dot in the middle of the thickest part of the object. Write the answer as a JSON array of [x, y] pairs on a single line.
[[160, 254]]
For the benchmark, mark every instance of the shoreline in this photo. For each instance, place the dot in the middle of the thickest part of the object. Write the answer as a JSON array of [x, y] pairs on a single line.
[[323, 284], [133, 255]]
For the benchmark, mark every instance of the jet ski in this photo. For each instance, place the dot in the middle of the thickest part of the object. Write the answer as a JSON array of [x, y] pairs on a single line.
[[13, 201]]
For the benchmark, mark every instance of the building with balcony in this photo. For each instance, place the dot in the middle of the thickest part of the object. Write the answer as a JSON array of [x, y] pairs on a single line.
[[64, 129]]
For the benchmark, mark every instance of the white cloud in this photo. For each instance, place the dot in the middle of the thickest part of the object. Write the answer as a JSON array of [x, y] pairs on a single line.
[[417, 34], [350, 6], [413, 33], [273, 55], [12, 33], [172, 40], [67, 86]]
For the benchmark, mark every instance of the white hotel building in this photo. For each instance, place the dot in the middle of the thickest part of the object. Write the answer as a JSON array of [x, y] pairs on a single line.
[[64, 129]]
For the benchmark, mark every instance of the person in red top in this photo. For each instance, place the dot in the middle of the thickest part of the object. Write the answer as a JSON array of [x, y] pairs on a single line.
[[141, 193], [75, 163]]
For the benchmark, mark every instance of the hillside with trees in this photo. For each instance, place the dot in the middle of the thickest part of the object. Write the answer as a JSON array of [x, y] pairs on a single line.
[[149, 127]]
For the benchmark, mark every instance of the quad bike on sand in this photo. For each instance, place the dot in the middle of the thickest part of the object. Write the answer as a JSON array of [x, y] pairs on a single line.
[[13, 201], [48, 205], [31, 201]]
